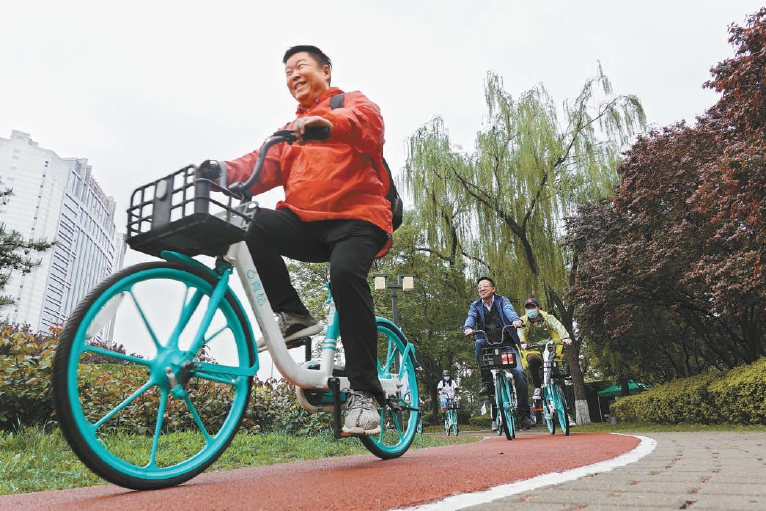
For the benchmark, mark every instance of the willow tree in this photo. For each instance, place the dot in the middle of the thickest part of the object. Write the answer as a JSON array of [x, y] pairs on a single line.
[[500, 209]]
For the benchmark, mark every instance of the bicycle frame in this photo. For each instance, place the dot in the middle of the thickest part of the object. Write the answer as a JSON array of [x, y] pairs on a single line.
[[300, 375]]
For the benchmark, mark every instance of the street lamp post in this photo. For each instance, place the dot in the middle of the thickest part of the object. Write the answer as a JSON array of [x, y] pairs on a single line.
[[405, 282]]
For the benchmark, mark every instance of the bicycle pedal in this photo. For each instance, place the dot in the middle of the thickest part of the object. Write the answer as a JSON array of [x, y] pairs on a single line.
[[297, 343], [306, 333]]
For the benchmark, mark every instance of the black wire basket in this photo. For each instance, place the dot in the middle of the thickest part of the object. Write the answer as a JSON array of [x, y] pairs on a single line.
[[177, 213], [558, 370], [498, 357]]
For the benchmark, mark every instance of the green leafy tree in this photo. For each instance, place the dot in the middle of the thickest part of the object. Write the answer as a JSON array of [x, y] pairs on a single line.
[[500, 209], [14, 253], [432, 314]]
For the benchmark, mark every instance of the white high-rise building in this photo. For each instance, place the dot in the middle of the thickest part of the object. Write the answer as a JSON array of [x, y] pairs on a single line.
[[55, 199]]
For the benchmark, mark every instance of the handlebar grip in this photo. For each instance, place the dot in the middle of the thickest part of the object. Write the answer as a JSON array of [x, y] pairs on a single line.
[[317, 133]]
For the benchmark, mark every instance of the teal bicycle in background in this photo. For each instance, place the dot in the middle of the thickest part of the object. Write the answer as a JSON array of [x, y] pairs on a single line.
[[450, 417], [500, 359], [153, 371], [554, 400]]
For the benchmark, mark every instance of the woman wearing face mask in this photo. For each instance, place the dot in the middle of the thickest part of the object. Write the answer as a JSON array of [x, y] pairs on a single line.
[[446, 389], [539, 328]]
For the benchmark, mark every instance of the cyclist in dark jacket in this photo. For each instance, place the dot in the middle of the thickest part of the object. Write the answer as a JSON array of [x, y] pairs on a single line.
[[490, 313]]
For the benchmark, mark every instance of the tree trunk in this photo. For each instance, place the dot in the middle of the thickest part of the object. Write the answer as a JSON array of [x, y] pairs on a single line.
[[581, 408]]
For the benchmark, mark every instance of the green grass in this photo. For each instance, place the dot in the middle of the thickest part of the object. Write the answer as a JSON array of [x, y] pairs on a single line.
[[37, 459]]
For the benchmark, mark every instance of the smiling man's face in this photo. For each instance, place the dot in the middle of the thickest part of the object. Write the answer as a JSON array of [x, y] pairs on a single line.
[[306, 79], [485, 289]]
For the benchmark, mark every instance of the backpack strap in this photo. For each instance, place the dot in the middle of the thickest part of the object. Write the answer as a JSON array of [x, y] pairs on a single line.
[[337, 101]]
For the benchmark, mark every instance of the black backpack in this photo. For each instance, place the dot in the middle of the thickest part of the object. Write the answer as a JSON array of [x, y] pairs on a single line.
[[397, 206]]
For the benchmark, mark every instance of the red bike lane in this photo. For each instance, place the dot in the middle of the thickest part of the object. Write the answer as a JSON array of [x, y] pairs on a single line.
[[361, 482]]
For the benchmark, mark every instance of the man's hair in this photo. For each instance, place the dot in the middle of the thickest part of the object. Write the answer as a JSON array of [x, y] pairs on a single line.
[[492, 282], [317, 54]]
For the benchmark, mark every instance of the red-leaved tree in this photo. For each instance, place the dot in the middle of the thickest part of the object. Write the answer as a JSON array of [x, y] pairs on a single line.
[[670, 278]]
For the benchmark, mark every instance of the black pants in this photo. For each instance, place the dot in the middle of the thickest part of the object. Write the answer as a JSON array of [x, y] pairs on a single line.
[[350, 246], [535, 364]]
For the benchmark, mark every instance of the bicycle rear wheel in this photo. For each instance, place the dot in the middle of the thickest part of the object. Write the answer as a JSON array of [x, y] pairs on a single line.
[[549, 408], [397, 429], [561, 408], [505, 405], [135, 404]]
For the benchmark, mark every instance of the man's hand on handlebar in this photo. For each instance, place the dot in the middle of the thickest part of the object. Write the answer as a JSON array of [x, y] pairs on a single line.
[[468, 331], [209, 169], [300, 125]]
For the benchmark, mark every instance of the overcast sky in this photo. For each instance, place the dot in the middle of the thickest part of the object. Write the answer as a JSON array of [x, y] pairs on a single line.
[[142, 88]]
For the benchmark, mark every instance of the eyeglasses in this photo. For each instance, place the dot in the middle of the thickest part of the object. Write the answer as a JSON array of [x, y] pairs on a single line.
[[482, 288]]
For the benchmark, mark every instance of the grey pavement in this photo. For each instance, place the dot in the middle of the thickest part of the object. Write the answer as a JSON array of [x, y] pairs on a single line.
[[723, 471]]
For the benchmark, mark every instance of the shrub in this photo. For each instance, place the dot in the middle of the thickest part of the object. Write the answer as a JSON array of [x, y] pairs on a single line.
[[481, 421], [737, 396], [26, 362], [25, 376]]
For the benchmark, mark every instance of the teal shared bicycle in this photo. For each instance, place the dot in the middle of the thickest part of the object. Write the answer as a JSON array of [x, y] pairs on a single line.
[[450, 417], [500, 359], [153, 372], [554, 403]]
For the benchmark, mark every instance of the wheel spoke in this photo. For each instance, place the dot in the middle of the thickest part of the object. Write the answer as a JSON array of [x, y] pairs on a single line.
[[197, 419], [133, 359], [145, 320], [158, 428], [117, 409], [188, 308]]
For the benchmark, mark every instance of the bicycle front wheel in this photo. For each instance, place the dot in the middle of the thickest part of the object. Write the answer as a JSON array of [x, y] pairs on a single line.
[[561, 408], [505, 405], [549, 408], [447, 424], [397, 428], [135, 404]]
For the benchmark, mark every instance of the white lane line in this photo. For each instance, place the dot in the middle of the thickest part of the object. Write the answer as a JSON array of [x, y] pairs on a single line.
[[456, 502]]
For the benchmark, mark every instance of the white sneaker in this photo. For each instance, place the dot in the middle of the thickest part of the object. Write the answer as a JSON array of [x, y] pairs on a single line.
[[572, 422], [493, 426], [363, 417], [538, 394]]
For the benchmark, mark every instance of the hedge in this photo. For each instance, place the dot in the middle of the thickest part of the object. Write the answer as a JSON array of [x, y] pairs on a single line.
[[25, 393], [736, 396]]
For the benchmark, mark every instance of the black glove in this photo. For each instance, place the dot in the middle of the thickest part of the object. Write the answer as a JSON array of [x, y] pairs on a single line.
[[209, 169]]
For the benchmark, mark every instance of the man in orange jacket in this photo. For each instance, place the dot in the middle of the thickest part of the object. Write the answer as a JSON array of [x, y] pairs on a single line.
[[334, 210]]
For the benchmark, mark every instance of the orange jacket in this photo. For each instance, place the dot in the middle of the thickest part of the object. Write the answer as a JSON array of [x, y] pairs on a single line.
[[340, 178]]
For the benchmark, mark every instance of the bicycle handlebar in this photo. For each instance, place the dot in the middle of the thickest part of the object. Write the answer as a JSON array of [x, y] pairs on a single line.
[[475, 331], [317, 133]]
